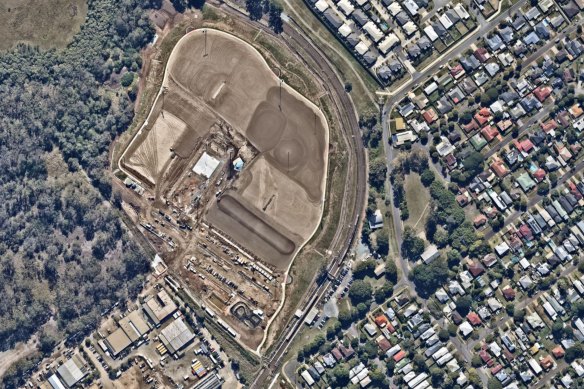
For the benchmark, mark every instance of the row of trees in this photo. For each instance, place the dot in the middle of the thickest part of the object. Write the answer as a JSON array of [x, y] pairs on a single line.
[[258, 8]]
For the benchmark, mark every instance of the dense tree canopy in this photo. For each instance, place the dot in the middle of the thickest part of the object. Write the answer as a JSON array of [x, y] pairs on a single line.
[[430, 277], [63, 250]]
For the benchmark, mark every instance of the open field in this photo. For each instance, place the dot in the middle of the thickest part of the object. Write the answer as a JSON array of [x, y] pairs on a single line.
[[212, 79], [47, 23], [417, 198]]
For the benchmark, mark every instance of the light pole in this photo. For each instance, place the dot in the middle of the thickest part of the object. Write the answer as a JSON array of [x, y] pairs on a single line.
[[205, 33], [280, 78]]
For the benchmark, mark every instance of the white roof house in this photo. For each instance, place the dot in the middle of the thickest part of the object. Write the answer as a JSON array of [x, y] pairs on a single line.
[[410, 27], [460, 11], [361, 48], [388, 43], [376, 220], [430, 254], [431, 33], [445, 21], [346, 7], [206, 165], [394, 8], [56, 382], [465, 328], [374, 32], [402, 137], [411, 6], [345, 30], [307, 377], [321, 5]]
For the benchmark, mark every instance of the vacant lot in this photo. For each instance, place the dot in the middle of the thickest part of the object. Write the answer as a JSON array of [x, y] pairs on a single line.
[[214, 77], [418, 199], [45, 23]]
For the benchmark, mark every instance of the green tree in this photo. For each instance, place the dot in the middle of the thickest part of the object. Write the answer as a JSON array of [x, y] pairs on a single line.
[[391, 270], [383, 292], [377, 172], [382, 244], [364, 268], [443, 335], [360, 292], [412, 246], [427, 177], [494, 383], [340, 375], [437, 376], [127, 79], [255, 9], [428, 278], [463, 305], [275, 18]]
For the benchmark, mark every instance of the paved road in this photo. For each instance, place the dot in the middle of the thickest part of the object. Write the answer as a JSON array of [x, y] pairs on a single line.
[[526, 126], [537, 198], [482, 31], [486, 27]]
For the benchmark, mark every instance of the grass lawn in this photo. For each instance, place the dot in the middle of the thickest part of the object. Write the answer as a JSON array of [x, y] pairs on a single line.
[[418, 198], [47, 24]]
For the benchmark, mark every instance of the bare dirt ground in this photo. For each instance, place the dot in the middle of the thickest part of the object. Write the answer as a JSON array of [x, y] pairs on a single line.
[[8, 357], [284, 200], [214, 77], [247, 225]]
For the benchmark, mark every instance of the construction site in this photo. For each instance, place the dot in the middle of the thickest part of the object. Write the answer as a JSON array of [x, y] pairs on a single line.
[[229, 173]]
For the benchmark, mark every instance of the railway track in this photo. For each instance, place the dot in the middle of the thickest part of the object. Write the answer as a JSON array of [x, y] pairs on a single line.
[[351, 212]]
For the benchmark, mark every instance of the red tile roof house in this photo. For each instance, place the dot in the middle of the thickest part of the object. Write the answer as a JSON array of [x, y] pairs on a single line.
[[504, 124], [547, 362], [496, 369], [525, 232], [549, 126], [337, 354], [474, 319], [508, 355], [489, 133], [457, 71], [574, 190], [430, 116], [489, 260], [475, 269], [483, 116], [462, 200], [399, 356], [485, 356], [347, 352], [470, 127], [542, 93], [481, 54], [539, 175], [384, 344], [450, 161], [558, 352], [525, 145], [508, 293], [480, 220], [499, 168], [381, 321]]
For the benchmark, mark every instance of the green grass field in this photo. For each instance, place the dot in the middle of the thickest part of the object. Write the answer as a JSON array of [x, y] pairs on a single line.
[[418, 198], [47, 23]]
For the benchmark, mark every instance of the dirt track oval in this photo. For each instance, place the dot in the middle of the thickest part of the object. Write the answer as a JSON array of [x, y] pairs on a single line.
[[276, 204]]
